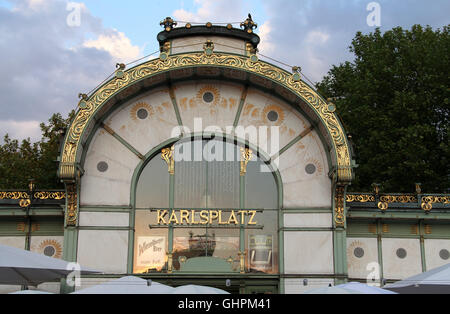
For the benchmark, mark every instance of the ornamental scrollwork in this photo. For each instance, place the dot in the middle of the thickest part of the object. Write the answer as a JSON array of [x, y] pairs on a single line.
[[72, 205], [224, 60], [339, 201], [43, 195], [13, 195]]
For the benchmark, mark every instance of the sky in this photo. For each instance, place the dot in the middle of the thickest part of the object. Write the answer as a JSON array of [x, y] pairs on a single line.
[[52, 50]]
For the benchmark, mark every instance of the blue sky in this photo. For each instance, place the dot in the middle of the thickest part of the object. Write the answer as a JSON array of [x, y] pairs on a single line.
[[49, 62]]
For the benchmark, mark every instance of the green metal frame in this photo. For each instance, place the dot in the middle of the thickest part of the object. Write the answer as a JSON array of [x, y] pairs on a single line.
[[156, 150]]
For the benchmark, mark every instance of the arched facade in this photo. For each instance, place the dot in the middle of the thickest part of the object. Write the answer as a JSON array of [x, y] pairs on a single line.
[[273, 119]]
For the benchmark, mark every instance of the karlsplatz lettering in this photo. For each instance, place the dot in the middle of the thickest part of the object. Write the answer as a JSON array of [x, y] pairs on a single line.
[[205, 217], [201, 305], [148, 245]]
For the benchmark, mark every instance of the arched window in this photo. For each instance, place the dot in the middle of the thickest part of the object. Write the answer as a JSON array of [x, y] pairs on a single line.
[[206, 205]]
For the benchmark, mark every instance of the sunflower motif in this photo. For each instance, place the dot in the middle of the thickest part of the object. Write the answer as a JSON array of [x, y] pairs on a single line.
[[273, 114], [313, 167], [51, 248], [138, 106], [208, 95]]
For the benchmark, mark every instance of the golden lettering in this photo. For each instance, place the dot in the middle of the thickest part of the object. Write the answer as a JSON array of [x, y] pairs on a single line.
[[173, 218], [232, 218], [213, 214], [193, 218], [204, 216], [184, 215], [253, 213], [220, 219], [242, 213], [161, 214]]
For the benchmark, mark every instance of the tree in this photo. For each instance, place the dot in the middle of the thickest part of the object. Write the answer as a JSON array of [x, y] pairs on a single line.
[[394, 101], [38, 161]]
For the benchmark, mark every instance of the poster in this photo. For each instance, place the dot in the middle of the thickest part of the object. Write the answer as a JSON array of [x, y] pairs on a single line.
[[151, 252], [260, 253]]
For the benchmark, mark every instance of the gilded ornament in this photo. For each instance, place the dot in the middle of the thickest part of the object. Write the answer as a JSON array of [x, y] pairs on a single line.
[[339, 213], [168, 155], [72, 205], [246, 156], [220, 60]]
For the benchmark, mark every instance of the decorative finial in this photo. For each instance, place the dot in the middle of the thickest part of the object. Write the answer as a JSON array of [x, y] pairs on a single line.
[[248, 24], [168, 24], [296, 73], [418, 188], [376, 188], [82, 96]]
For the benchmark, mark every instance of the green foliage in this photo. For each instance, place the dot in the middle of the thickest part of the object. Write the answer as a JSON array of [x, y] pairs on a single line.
[[394, 101], [24, 161]]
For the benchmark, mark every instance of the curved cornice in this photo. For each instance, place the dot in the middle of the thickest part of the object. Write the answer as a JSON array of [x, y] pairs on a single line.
[[89, 107]]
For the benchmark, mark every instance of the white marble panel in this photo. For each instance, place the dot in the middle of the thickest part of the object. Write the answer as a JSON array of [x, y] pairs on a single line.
[[297, 285], [301, 187], [104, 219], [220, 112], [17, 242], [395, 267], [103, 250], [308, 252], [113, 186], [313, 220], [435, 252], [259, 109], [362, 258], [195, 43], [144, 132]]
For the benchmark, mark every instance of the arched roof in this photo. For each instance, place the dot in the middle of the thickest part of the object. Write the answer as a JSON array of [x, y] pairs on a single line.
[[165, 70]]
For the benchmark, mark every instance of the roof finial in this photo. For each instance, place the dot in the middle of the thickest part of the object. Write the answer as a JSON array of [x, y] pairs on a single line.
[[248, 24], [168, 24]]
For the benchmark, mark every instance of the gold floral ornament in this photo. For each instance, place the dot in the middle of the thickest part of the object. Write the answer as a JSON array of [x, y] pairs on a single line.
[[339, 213], [246, 155], [168, 155], [72, 205]]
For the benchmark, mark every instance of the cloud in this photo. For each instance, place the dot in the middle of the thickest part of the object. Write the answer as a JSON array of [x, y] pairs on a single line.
[[45, 62], [117, 45], [217, 11], [316, 34], [21, 130]]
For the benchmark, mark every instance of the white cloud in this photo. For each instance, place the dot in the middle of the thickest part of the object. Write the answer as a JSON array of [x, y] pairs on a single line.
[[267, 45], [217, 11], [21, 130], [117, 45], [317, 37], [49, 62]]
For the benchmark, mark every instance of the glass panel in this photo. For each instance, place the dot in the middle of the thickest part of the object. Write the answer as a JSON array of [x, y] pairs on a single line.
[[260, 187], [150, 245], [223, 175], [214, 242], [190, 176], [262, 245], [153, 186]]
